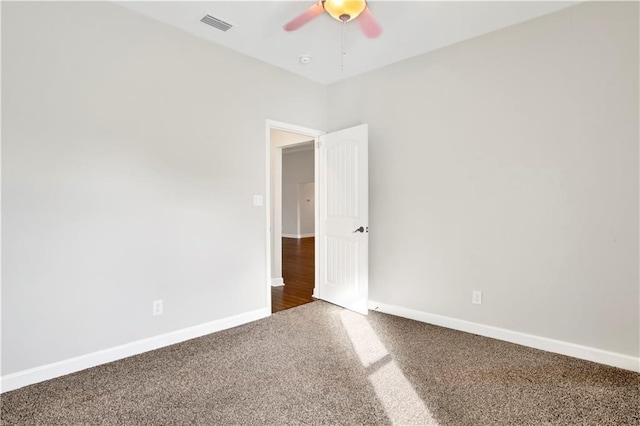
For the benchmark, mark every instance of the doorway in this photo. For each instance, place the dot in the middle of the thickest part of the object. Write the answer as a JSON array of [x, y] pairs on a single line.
[[292, 210], [298, 227], [341, 231]]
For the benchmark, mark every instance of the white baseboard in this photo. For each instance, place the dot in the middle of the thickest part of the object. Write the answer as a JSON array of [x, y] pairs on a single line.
[[45, 372], [298, 236], [277, 282], [614, 359]]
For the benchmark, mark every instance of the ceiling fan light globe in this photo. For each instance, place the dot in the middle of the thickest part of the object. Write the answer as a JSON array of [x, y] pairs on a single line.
[[344, 10]]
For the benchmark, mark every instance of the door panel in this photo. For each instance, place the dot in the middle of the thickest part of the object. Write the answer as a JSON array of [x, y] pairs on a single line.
[[343, 209]]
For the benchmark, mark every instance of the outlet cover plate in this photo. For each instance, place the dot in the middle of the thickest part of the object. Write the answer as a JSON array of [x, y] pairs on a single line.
[[157, 307]]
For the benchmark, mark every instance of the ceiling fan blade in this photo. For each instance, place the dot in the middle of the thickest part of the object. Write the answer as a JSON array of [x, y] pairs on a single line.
[[368, 24], [299, 21]]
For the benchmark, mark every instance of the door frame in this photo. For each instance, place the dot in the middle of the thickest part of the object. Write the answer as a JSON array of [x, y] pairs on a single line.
[[276, 176]]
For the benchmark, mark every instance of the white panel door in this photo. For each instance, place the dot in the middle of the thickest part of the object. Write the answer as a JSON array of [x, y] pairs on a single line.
[[306, 209], [342, 238]]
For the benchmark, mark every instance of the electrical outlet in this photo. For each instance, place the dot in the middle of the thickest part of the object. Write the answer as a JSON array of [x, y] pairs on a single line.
[[476, 297], [157, 307]]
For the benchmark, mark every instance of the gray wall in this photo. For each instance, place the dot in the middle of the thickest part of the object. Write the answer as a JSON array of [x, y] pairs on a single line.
[[297, 167], [509, 164], [131, 151]]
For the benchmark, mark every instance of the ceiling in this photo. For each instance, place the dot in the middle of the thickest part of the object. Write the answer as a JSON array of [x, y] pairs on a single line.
[[410, 29]]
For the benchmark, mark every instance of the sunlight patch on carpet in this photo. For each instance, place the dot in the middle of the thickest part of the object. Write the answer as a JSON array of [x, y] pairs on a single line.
[[368, 347], [402, 404]]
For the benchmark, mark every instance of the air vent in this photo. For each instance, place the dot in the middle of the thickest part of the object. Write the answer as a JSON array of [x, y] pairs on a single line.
[[216, 23]]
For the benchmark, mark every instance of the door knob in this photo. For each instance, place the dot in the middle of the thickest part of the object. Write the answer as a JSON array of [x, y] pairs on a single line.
[[361, 229]]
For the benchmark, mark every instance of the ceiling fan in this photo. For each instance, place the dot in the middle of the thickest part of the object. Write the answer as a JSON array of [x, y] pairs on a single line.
[[342, 10]]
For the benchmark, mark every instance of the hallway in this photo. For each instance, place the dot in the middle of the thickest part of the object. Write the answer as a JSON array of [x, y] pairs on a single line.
[[298, 258]]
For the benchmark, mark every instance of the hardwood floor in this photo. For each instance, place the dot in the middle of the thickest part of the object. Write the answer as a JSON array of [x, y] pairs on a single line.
[[298, 259]]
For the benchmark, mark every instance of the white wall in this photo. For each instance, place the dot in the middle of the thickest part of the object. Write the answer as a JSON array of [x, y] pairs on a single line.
[[297, 167], [509, 164], [131, 151]]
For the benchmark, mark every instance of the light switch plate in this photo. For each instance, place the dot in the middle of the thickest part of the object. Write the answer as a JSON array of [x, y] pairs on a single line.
[[257, 200]]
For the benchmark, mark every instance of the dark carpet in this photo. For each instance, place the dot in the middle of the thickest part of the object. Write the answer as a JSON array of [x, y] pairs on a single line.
[[319, 364]]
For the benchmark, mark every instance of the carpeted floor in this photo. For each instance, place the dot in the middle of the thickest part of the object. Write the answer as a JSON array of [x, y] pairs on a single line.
[[318, 364]]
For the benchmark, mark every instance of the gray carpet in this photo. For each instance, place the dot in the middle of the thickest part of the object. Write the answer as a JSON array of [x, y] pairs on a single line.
[[319, 364]]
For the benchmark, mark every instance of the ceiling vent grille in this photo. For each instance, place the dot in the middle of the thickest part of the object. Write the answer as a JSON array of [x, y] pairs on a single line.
[[216, 23]]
